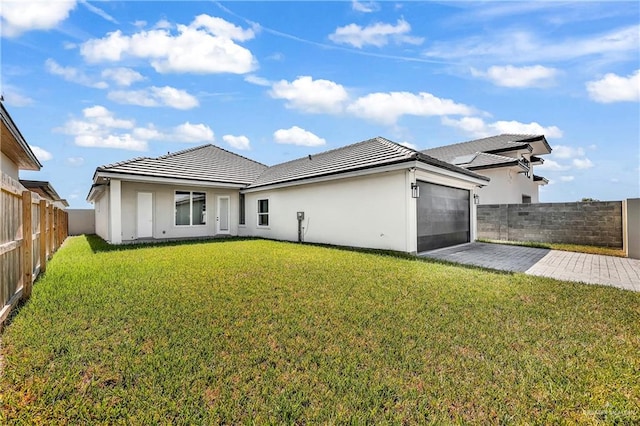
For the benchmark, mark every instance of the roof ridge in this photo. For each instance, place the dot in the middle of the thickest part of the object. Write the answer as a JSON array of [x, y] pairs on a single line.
[[123, 162], [184, 151], [398, 147]]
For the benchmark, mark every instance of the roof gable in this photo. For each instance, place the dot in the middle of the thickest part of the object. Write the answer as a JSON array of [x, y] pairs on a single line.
[[366, 154], [207, 163]]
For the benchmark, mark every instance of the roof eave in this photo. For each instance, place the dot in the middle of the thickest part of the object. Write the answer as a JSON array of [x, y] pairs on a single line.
[[27, 161]]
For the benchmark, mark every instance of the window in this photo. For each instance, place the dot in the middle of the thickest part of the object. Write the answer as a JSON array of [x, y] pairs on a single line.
[[526, 199], [191, 208], [241, 209], [263, 212]]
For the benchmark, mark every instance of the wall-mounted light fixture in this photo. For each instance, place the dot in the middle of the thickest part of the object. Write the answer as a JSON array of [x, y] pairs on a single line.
[[415, 190], [476, 199]]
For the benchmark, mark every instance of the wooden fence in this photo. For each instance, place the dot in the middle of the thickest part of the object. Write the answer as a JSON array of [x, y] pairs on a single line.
[[31, 230]]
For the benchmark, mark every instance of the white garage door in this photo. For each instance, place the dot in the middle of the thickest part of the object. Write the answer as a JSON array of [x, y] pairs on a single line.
[[443, 216]]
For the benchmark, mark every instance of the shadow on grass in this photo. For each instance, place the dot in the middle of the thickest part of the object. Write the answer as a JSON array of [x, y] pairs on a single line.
[[98, 245]]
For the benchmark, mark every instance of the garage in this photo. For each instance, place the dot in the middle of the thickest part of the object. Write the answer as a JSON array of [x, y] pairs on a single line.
[[443, 216]]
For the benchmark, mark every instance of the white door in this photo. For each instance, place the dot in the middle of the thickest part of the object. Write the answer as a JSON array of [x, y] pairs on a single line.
[[222, 220], [145, 214]]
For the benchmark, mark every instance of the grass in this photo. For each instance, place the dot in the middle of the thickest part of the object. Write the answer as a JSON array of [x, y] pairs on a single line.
[[576, 248], [267, 332]]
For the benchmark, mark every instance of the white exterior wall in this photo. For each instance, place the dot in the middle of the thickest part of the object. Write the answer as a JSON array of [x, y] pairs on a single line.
[[8, 167], [367, 211], [101, 208], [507, 186], [164, 211]]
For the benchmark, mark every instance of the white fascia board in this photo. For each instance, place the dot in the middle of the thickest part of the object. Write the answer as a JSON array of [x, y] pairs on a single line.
[[165, 181], [345, 175], [449, 173]]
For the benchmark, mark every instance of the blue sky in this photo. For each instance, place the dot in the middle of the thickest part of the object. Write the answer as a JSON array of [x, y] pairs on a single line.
[[92, 83]]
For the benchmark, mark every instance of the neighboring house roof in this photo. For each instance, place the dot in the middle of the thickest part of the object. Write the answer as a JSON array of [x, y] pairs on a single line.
[[44, 190], [536, 144], [14, 146], [367, 154], [203, 163]]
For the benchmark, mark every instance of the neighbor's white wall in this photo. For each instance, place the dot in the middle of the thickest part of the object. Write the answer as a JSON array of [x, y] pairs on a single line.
[[8, 167], [368, 211], [507, 187], [163, 211], [101, 208]]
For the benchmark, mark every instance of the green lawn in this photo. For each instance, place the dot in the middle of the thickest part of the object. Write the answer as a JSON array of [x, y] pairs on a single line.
[[268, 332]]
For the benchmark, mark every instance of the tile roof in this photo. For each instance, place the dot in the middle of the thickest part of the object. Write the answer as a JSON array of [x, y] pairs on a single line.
[[493, 144], [203, 163], [362, 155]]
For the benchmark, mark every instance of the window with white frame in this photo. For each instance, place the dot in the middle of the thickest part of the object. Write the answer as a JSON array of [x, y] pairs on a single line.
[[263, 212], [190, 208]]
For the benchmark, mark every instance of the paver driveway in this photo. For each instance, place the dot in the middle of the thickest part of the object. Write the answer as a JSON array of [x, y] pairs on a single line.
[[563, 265]]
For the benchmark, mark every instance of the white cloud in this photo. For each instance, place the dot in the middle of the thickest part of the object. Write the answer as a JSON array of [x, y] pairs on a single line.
[[510, 76], [566, 178], [386, 108], [377, 34], [237, 142], [14, 96], [206, 46], [99, 128], [306, 94], [101, 13], [122, 76], [188, 132], [155, 97], [522, 46], [365, 6], [614, 88], [409, 145], [582, 163], [18, 17], [258, 81], [564, 152], [477, 127], [297, 136], [74, 161], [103, 117], [553, 166], [73, 75], [42, 154]]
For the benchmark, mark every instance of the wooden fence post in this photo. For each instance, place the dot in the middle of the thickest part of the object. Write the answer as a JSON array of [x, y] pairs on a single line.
[[43, 235], [27, 245], [51, 233]]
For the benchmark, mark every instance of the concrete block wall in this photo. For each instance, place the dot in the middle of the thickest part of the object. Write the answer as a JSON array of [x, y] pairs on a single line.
[[81, 221], [591, 223]]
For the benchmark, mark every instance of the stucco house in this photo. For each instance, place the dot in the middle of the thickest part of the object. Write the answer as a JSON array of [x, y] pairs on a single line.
[[374, 194], [46, 191], [15, 153], [507, 159]]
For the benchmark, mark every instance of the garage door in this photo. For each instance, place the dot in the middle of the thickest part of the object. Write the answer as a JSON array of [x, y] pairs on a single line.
[[443, 216]]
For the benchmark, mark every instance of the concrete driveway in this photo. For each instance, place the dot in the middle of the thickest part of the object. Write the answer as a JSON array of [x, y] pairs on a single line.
[[563, 265]]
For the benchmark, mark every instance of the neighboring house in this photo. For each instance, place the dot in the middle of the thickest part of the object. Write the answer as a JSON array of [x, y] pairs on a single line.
[[15, 154], [45, 191], [506, 159], [375, 194]]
